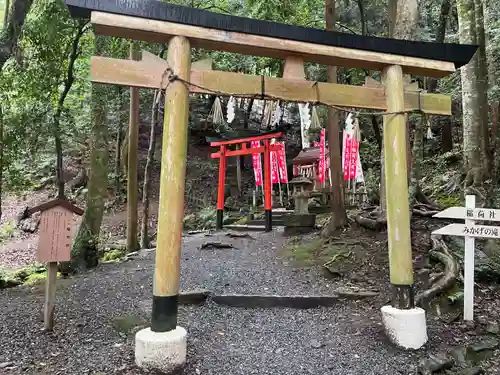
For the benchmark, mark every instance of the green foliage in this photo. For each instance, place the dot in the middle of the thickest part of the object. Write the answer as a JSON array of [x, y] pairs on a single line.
[[28, 275], [456, 297], [114, 255], [202, 220], [7, 231], [449, 201]]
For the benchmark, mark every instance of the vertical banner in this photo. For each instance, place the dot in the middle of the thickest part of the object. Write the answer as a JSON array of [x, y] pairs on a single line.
[[257, 165], [346, 156], [354, 158], [274, 165], [321, 166], [305, 124], [282, 164]]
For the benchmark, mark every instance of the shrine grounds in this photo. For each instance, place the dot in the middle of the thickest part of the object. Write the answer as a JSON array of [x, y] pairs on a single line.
[[98, 313]]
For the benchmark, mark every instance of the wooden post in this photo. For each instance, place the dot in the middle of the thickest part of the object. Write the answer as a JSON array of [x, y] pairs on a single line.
[[470, 244], [268, 199], [133, 146], [396, 187], [220, 190], [172, 186], [50, 296]]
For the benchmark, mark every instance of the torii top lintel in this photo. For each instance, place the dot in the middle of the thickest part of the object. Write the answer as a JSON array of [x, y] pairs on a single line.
[[157, 21]]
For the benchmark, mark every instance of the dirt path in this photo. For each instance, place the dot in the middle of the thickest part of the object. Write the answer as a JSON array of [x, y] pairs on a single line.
[[99, 312], [222, 340]]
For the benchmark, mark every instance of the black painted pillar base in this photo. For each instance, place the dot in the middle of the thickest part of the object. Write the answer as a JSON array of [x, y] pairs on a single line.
[[220, 219], [403, 297], [269, 220], [164, 313]]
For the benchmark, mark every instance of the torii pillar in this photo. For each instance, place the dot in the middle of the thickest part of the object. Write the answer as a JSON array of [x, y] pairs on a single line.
[[163, 346]]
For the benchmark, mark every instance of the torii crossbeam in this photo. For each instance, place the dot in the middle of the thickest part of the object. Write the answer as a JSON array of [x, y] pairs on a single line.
[[163, 346]]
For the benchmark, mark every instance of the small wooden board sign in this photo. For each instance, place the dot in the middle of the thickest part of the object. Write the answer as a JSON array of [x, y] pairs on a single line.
[[54, 245], [469, 230]]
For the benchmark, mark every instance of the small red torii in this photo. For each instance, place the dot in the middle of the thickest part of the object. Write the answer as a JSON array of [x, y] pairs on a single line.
[[225, 152]]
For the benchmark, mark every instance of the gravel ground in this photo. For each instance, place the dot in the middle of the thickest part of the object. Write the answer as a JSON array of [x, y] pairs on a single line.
[[99, 312], [253, 267]]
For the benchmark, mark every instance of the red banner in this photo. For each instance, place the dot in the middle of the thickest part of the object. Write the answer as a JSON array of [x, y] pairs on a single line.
[[274, 167], [351, 148], [257, 166], [321, 166], [347, 156], [282, 163], [354, 159]]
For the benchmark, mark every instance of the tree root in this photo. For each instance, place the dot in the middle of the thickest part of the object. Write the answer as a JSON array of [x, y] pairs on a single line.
[[376, 221], [424, 213], [441, 253], [425, 201]]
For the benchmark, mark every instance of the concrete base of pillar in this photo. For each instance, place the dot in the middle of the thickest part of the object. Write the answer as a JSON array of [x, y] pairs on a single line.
[[161, 351], [405, 328]]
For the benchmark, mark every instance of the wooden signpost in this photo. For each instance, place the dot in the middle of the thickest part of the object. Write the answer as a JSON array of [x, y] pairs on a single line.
[[54, 246], [469, 230]]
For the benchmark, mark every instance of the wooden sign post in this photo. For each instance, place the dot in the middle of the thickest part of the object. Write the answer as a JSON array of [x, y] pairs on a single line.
[[54, 246], [469, 230]]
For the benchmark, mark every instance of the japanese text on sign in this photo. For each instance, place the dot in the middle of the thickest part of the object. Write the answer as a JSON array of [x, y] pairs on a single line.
[[481, 214], [481, 231]]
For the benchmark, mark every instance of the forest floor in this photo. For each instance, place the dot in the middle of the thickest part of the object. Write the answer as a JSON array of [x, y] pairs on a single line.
[[98, 313]]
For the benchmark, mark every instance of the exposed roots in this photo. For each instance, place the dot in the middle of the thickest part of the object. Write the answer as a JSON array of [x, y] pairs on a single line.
[[375, 220], [441, 253], [424, 212]]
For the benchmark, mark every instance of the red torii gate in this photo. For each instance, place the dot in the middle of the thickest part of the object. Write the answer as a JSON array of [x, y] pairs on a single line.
[[225, 152]]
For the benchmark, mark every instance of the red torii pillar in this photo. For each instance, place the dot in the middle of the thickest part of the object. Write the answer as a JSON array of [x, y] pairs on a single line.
[[225, 152]]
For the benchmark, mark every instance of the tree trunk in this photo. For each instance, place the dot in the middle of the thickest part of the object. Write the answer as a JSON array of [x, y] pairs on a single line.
[[376, 131], [338, 218], [405, 26], [119, 139], [68, 83], [84, 253], [6, 12], [440, 35], [362, 19], [9, 35], [418, 158], [145, 242], [432, 83], [470, 101], [482, 84], [446, 134], [133, 150], [1, 157], [247, 114]]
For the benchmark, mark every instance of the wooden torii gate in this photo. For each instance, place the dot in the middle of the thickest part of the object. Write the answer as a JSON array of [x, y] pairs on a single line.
[[163, 346]]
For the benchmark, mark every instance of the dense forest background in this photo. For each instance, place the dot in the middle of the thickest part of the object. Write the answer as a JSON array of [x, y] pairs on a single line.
[[61, 133]]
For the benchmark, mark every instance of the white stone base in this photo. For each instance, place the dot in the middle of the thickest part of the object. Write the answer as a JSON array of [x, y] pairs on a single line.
[[161, 351], [405, 328]]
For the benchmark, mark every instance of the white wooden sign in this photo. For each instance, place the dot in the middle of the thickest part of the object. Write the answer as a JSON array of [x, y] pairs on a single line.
[[469, 230]]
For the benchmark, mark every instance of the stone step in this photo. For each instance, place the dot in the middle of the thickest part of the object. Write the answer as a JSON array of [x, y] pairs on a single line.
[[276, 222], [245, 227]]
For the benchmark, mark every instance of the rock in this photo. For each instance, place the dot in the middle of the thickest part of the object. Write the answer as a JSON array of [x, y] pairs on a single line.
[[434, 364], [216, 245], [486, 344], [493, 328], [316, 344], [6, 364], [482, 350], [459, 354], [472, 371]]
